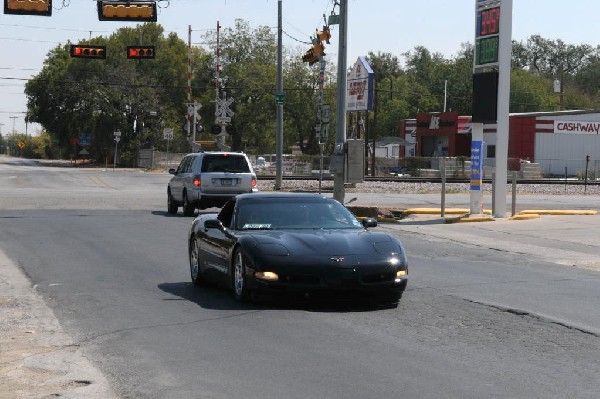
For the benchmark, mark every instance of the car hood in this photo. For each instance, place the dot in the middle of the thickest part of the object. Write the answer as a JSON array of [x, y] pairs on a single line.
[[326, 242]]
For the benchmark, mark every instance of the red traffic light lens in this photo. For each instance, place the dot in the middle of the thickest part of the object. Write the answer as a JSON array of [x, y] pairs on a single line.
[[84, 51], [140, 52]]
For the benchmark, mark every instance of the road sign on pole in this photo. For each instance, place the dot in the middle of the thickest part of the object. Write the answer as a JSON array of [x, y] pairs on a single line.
[[279, 98], [168, 133]]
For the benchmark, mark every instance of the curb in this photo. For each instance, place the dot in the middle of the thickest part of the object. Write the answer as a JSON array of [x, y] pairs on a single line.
[[470, 219], [363, 212], [558, 212], [438, 211], [525, 216]]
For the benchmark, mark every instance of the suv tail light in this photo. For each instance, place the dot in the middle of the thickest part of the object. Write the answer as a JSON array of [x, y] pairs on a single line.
[[253, 182], [197, 181]]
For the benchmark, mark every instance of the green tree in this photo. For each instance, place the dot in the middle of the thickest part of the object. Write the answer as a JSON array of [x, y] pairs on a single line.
[[531, 92], [139, 98]]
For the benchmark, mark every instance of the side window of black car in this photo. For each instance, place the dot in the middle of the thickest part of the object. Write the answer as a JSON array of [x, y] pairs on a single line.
[[226, 213]]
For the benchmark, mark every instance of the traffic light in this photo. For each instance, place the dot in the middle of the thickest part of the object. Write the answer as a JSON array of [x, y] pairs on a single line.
[[97, 52], [314, 53], [28, 7], [143, 11], [317, 49], [324, 35], [140, 52]]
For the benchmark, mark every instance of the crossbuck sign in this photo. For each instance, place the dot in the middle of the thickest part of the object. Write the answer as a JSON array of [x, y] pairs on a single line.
[[223, 113]]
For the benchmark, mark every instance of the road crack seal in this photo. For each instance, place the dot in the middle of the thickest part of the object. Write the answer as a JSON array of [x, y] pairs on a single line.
[[525, 313]]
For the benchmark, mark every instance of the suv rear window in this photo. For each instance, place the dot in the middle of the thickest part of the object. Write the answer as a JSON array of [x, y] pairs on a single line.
[[225, 163]]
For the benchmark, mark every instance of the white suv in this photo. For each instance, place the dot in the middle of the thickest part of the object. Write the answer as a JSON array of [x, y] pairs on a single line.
[[208, 179]]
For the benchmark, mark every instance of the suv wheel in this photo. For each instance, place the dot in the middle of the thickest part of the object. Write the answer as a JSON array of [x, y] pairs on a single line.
[[171, 204], [188, 207]]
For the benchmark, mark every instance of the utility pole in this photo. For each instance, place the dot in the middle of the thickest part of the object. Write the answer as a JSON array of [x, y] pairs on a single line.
[[189, 88], [279, 103], [338, 158], [14, 118]]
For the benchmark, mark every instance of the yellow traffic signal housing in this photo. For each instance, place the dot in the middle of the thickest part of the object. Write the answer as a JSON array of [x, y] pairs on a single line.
[[140, 52], [324, 35], [143, 11], [97, 52], [28, 7], [313, 55]]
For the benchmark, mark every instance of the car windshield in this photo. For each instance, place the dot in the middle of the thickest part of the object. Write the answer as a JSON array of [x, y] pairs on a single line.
[[294, 213], [225, 163]]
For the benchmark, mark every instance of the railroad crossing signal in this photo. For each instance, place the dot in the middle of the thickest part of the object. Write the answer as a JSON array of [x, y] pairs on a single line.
[[223, 113], [193, 108]]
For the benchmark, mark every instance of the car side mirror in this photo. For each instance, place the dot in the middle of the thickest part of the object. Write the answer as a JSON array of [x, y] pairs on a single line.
[[172, 171], [369, 222], [213, 224]]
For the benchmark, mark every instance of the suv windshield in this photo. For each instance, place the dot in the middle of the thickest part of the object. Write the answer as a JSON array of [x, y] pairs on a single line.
[[225, 163]]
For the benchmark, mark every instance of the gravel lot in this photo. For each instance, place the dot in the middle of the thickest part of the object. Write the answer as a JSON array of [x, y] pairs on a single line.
[[428, 188]]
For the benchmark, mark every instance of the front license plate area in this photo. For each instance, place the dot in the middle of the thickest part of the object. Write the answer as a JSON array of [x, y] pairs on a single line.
[[340, 277]]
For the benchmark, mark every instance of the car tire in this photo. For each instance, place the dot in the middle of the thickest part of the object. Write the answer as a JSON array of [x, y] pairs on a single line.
[[188, 207], [238, 276], [172, 205], [195, 270]]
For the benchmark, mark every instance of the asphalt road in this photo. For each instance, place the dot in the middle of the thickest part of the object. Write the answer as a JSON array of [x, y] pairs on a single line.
[[104, 255]]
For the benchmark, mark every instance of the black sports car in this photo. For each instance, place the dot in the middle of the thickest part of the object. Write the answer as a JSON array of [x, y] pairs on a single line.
[[295, 242]]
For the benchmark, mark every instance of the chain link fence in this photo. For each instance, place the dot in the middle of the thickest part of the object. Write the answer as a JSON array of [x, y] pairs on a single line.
[[455, 167]]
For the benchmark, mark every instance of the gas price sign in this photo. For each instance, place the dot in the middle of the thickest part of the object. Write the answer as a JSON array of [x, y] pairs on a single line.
[[487, 34], [488, 22], [486, 50]]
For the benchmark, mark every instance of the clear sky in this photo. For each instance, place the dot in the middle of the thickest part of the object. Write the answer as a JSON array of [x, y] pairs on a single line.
[[393, 26]]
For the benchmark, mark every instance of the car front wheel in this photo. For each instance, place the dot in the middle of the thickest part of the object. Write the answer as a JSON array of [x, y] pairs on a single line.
[[240, 290], [195, 272], [188, 207]]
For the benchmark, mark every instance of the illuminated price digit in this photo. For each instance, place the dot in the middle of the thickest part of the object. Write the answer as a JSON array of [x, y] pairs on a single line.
[[487, 50], [489, 21]]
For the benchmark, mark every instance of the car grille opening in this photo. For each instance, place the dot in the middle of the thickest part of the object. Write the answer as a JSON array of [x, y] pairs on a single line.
[[301, 279], [378, 277]]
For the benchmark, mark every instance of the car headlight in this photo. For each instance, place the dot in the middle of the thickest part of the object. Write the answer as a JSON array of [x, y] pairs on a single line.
[[267, 276], [400, 274]]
